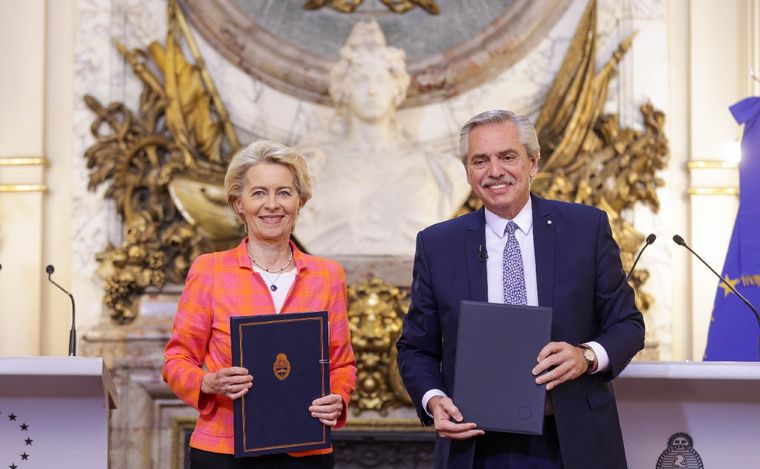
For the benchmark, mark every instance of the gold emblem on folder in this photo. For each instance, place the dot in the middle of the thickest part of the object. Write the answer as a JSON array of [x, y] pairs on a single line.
[[281, 366]]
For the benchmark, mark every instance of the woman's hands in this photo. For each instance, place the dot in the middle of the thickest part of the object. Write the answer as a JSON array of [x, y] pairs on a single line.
[[327, 409], [235, 382], [232, 382]]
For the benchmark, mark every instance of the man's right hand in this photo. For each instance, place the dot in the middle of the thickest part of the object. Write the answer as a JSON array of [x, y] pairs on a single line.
[[444, 414]]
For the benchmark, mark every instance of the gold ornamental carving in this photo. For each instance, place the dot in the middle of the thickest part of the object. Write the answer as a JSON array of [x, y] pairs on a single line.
[[375, 314], [396, 6], [180, 130], [588, 158]]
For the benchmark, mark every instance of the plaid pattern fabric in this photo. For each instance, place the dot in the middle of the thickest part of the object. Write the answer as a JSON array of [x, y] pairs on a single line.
[[222, 284]]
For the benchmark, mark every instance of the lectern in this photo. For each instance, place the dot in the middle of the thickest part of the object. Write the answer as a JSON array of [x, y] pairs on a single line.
[[701, 415], [54, 412]]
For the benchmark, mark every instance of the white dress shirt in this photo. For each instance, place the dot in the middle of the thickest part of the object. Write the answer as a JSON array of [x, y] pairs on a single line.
[[283, 281], [496, 239]]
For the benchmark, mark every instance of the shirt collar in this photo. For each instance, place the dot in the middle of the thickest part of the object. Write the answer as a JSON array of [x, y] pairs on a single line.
[[523, 220]]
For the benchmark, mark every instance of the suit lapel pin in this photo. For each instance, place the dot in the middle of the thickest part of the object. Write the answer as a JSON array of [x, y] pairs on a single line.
[[548, 222]]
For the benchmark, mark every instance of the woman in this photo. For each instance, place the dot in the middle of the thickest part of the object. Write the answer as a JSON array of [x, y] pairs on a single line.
[[266, 185]]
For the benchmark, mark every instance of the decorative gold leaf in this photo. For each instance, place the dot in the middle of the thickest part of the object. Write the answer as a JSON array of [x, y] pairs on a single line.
[[179, 129]]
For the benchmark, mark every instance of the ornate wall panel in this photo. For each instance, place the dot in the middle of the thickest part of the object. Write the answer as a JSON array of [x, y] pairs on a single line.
[[292, 49]]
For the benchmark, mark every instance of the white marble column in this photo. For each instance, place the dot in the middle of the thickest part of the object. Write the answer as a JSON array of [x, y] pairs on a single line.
[[58, 204], [22, 168]]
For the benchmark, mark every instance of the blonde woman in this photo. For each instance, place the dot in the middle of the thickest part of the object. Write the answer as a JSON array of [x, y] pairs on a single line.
[[267, 184]]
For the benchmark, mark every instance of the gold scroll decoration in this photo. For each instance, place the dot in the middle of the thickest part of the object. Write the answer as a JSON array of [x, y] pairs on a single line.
[[181, 130], [588, 158], [375, 315]]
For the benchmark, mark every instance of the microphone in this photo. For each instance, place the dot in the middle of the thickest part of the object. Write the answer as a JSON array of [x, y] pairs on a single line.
[[650, 239], [73, 332], [680, 241], [482, 255]]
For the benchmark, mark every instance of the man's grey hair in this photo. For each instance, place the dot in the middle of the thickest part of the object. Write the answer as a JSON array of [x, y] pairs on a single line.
[[525, 128]]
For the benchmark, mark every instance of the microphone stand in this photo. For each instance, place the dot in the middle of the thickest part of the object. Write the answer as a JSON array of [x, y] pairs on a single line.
[[680, 241], [72, 333], [650, 239]]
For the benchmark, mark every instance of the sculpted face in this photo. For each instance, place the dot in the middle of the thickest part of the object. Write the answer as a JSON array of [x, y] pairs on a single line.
[[373, 90], [269, 202], [499, 169]]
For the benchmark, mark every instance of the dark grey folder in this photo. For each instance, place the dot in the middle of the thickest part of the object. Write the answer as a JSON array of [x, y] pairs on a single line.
[[497, 346]]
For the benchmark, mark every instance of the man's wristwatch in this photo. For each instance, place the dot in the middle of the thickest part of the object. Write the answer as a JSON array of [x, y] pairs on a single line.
[[590, 356]]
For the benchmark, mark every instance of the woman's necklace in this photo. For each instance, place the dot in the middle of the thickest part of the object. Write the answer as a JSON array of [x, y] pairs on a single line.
[[272, 283]]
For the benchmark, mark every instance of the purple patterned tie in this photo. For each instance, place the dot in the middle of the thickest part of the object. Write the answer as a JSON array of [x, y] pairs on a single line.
[[514, 276]]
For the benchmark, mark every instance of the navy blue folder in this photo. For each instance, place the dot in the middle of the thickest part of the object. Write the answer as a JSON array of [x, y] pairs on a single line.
[[288, 357], [497, 346]]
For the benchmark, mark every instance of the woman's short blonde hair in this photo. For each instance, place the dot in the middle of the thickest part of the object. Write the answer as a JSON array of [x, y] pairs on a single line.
[[265, 151]]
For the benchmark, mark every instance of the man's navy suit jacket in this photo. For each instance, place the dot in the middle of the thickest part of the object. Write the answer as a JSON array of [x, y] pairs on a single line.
[[579, 274]]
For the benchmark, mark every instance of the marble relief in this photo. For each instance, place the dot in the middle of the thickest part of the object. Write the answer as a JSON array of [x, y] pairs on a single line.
[[388, 189], [444, 52]]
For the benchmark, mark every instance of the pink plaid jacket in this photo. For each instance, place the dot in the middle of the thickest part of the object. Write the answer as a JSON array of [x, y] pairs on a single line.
[[222, 284]]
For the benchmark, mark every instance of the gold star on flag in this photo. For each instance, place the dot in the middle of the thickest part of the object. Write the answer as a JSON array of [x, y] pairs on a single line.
[[725, 288]]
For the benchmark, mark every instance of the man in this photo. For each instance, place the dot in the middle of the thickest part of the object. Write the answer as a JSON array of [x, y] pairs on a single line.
[[522, 249]]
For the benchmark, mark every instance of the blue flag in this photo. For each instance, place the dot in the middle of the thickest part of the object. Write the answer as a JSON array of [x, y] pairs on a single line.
[[734, 330]]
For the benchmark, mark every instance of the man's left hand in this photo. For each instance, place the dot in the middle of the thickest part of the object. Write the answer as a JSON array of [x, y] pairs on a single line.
[[565, 361]]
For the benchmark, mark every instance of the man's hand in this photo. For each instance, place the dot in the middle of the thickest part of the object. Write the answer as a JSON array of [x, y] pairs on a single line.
[[566, 360], [443, 411]]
